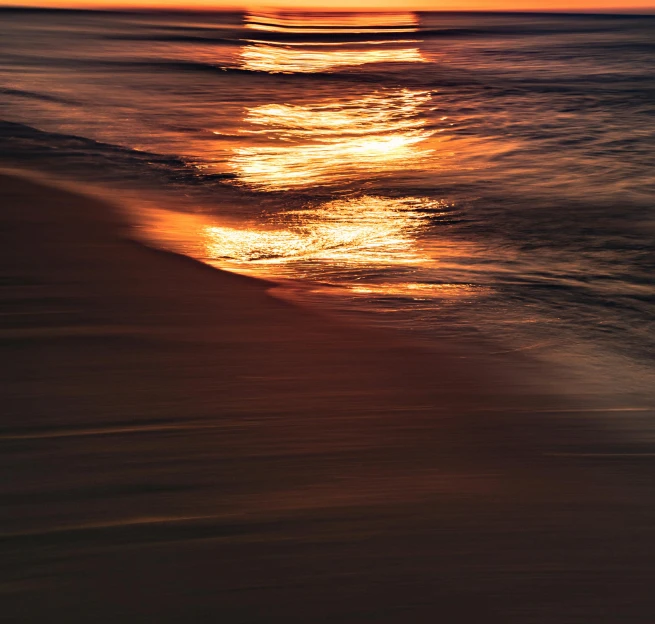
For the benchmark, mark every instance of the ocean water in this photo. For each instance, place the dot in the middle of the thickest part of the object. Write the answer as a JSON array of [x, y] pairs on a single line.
[[489, 176]]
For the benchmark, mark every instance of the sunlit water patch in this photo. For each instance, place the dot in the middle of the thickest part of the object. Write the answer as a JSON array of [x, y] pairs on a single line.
[[332, 22], [351, 232], [280, 58], [327, 142], [366, 248], [289, 56]]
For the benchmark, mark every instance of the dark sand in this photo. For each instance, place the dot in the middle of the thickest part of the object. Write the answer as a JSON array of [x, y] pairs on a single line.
[[179, 446]]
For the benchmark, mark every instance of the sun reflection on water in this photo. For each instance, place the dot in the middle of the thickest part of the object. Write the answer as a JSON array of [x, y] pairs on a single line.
[[345, 245], [320, 56], [334, 140], [276, 58], [332, 23], [364, 230], [300, 142], [325, 143], [369, 230]]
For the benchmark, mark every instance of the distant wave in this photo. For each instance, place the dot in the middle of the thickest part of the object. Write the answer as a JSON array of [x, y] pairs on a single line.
[[200, 67], [22, 144], [32, 95], [17, 132], [173, 38]]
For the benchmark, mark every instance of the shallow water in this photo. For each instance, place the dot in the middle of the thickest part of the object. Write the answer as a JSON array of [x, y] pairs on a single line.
[[485, 174]]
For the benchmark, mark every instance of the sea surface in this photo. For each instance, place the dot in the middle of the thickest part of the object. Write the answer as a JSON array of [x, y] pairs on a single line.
[[489, 176]]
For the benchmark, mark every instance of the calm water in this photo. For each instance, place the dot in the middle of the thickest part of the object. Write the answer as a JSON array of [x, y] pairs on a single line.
[[487, 175]]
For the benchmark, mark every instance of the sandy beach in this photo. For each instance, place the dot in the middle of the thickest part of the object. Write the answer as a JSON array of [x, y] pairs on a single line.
[[180, 446]]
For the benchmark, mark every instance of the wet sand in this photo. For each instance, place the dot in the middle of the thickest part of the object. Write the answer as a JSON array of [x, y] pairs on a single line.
[[180, 446]]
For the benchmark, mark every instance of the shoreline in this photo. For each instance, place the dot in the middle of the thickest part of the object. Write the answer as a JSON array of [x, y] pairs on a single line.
[[127, 225], [180, 445]]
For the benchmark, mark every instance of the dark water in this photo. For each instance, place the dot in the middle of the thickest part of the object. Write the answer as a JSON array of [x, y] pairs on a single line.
[[485, 174]]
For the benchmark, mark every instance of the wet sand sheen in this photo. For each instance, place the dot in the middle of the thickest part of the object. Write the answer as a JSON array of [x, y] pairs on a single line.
[[179, 446]]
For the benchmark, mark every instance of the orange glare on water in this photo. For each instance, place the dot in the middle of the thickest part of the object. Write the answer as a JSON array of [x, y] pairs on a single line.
[[365, 229], [283, 59], [324, 143], [341, 236], [332, 23]]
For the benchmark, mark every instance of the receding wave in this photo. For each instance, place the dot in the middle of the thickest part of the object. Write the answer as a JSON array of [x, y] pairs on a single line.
[[32, 95], [171, 38], [22, 144]]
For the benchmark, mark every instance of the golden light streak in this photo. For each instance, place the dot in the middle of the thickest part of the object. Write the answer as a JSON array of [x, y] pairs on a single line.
[[285, 60], [326, 31], [337, 238], [332, 23], [418, 290], [326, 143], [304, 57], [282, 168], [365, 230], [319, 44]]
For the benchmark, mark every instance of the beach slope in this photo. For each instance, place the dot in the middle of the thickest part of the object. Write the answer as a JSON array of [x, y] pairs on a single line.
[[180, 446]]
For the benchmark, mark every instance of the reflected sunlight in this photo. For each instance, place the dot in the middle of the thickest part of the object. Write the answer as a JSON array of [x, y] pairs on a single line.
[[332, 23], [421, 290], [311, 56], [364, 230], [343, 245], [325, 143], [275, 58], [361, 230]]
